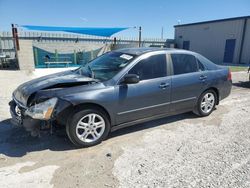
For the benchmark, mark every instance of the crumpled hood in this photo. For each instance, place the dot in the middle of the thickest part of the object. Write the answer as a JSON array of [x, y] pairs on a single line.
[[23, 92]]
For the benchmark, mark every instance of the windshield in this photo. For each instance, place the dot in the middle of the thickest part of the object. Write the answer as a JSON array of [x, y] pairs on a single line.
[[106, 66]]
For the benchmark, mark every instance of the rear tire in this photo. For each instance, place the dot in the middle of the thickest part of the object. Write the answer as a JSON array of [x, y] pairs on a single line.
[[206, 103], [88, 127]]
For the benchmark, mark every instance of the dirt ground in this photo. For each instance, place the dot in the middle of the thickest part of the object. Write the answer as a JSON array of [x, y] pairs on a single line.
[[178, 151]]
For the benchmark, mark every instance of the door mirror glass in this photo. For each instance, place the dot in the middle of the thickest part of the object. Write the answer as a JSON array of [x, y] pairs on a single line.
[[131, 79]]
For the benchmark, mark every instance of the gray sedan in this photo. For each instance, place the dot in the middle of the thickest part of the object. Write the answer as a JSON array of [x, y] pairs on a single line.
[[119, 89]]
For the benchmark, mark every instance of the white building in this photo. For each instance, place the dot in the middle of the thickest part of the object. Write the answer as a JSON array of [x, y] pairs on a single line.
[[222, 41]]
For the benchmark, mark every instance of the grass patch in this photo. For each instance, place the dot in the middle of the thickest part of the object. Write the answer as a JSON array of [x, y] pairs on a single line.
[[237, 69]]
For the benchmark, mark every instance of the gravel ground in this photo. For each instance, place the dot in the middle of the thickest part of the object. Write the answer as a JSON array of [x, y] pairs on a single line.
[[178, 151]]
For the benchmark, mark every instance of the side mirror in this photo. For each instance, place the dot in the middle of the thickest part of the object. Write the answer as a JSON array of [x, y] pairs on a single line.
[[131, 79]]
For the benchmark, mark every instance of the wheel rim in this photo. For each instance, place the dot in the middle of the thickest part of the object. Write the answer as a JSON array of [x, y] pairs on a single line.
[[207, 102], [90, 128]]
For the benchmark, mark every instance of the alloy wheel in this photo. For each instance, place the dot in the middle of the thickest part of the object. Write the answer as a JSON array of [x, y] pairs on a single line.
[[207, 102], [90, 128]]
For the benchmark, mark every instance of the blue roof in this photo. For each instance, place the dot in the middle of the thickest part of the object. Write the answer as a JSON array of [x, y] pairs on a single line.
[[105, 32]]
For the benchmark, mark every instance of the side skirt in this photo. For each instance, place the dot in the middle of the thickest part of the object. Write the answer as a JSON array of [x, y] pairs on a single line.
[[127, 124]]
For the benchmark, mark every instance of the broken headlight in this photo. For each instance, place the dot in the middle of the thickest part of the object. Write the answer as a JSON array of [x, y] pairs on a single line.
[[42, 110]]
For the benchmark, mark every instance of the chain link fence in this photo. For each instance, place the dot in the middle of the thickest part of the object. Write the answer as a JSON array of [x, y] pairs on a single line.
[[62, 50]]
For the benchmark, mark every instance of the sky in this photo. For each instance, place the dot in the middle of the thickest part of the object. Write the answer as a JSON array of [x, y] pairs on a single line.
[[151, 15]]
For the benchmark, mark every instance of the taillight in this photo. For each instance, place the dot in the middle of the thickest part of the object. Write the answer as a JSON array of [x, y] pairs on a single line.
[[229, 76]]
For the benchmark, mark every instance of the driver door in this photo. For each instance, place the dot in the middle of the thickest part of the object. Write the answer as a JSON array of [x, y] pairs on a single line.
[[149, 97]]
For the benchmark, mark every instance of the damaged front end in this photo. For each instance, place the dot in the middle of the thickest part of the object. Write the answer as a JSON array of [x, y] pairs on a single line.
[[40, 116], [39, 104]]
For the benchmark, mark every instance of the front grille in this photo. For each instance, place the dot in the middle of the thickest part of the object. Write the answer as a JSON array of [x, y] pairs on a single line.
[[15, 105], [17, 118]]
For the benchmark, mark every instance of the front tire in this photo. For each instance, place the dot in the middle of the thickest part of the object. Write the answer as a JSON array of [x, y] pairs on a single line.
[[206, 103], [88, 127]]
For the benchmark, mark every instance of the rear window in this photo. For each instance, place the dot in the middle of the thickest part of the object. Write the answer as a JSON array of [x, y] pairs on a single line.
[[184, 63], [209, 65]]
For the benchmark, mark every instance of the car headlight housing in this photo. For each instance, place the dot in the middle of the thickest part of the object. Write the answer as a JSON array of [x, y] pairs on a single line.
[[42, 110]]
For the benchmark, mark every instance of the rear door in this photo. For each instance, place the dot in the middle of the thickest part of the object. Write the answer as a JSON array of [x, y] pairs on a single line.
[[188, 81], [149, 97]]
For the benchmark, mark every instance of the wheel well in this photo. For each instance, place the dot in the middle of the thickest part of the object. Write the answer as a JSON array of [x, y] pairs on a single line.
[[89, 105], [217, 94]]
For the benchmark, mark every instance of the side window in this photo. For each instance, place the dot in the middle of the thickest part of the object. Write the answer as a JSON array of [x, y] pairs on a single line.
[[184, 63], [151, 67]]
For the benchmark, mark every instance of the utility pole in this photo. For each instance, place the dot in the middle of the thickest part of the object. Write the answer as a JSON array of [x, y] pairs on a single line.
[[1, 48], [162, 29], [139, 36], [15, 37], [15, 42]]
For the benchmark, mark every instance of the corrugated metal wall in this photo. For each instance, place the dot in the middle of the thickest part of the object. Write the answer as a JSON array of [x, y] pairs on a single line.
[[209, 39], [246, 47]]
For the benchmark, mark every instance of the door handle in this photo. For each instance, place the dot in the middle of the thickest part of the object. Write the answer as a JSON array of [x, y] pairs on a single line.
[[163, 85], [203, 77]]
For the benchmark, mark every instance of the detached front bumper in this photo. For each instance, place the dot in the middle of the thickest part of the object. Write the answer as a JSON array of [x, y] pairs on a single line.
[[19, 119]]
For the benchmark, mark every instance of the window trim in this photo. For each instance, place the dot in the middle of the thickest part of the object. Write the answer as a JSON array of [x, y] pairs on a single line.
[[198, 64], [142, 57]]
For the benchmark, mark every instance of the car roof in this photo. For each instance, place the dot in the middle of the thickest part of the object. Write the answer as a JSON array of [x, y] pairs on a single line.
[[140, 51]]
